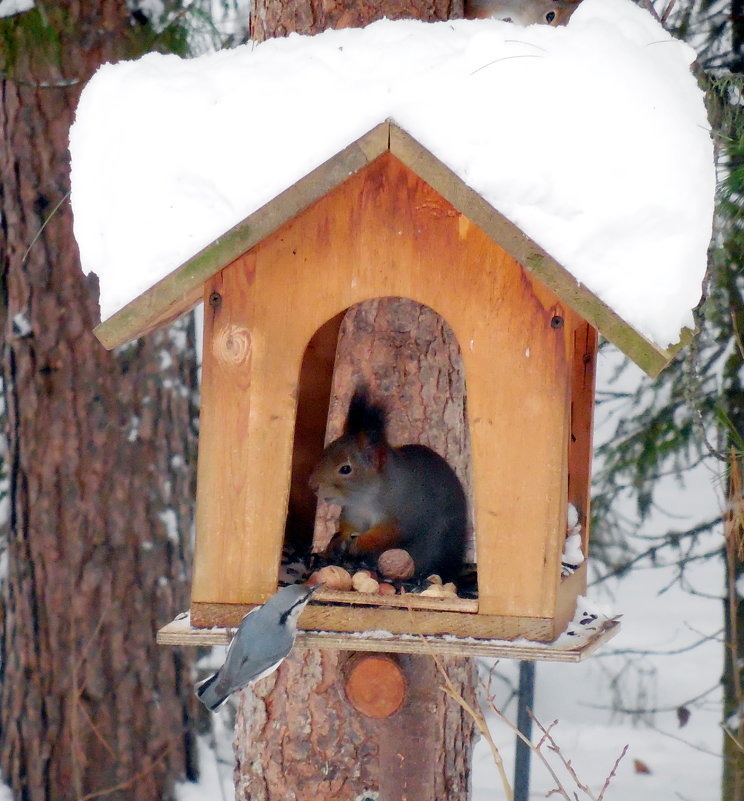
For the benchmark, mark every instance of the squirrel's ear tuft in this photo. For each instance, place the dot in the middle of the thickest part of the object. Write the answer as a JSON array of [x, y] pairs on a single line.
[[365, 417]]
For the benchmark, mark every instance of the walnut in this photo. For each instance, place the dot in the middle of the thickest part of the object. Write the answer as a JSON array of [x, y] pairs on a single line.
[[333, 576], [396, 564]]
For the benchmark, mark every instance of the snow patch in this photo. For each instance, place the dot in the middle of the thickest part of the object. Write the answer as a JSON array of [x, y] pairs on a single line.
[[592, 138]]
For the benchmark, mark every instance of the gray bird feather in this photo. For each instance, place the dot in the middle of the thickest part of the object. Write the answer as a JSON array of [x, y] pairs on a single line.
[[264, 638]]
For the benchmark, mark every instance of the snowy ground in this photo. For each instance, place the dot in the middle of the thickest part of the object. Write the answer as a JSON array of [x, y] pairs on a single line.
[[683, 762]]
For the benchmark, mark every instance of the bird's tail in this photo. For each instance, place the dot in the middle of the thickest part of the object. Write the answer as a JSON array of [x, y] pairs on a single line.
[[209, 695]]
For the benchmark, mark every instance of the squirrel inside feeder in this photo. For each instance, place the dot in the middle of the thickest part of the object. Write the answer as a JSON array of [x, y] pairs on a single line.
[[406, 497]]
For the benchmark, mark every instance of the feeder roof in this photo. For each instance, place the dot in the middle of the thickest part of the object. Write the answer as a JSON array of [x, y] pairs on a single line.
[[584, 151]]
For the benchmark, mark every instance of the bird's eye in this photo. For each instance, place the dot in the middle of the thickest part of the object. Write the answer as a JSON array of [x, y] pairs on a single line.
[[345, 469], [549, 17]]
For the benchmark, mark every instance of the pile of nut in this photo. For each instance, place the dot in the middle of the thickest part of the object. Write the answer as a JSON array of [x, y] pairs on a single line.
[[393, 567]]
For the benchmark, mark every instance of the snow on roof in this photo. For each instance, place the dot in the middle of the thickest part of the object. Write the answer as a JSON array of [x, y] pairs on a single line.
[[592, 138]]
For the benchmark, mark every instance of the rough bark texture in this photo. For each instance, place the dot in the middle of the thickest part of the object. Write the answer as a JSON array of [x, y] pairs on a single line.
[[271, 18], [99, 459], [297, 737], [410, 358]]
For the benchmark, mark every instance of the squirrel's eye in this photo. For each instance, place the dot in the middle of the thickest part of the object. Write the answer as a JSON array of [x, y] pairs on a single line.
[[549, 17], [345, 469]]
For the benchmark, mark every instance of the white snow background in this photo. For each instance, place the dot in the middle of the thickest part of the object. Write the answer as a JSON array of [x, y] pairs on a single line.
[[592, 138]]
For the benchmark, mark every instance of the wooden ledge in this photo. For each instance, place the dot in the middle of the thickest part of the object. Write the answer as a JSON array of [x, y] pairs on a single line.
[[408, 600], [565, 649]]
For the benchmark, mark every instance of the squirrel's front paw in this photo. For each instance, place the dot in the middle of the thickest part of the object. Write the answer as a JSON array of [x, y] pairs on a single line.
[[338, 545]]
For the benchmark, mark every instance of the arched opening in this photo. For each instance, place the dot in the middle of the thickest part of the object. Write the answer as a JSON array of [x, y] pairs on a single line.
[[410, 358]]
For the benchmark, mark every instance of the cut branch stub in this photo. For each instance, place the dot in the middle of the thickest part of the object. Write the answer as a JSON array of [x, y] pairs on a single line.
[[375, 685]]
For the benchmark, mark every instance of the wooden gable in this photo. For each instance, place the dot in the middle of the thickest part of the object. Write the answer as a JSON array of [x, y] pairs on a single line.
[[386, 232], [182, 289]]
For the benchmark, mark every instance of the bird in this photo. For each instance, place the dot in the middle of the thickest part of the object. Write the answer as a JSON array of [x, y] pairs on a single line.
[[264, 638]]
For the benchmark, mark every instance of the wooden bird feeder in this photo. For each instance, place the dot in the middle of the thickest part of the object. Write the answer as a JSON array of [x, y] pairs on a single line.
[[385, 218]]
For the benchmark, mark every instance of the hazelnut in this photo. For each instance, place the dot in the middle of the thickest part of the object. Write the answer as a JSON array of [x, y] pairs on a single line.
[[363, 582], [396, 564], [333, 576], [449, 589], [434, 591], [386, 589], [434, 579]]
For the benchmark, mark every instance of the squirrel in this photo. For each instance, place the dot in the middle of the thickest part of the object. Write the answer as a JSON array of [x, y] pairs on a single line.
[[392, 497], [522, 12]]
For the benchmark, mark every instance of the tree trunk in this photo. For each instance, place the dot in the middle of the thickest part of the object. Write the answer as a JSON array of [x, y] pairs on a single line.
[[99, 460], [270, 18], [296, 736], [732, 779]]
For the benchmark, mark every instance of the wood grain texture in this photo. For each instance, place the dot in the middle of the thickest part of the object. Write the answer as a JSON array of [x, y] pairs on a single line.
[[384, 232], [176, 633], [646, 354], [179, 291], [375, 684]]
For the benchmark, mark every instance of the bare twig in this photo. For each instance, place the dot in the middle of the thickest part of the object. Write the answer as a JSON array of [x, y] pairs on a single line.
[[613, 772], [667, 11], [548, 738], [480, 723], [44, 225], [546, 741], [536, 749]]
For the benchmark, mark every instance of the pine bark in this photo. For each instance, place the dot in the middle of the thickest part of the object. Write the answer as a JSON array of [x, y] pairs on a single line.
[[99, 464], [271, 18]]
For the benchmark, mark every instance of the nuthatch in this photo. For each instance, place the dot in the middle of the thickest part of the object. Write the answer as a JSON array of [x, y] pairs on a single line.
[[263, 639]]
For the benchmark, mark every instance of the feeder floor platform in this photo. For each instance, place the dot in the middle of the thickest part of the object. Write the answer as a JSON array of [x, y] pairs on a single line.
[[564, 649]]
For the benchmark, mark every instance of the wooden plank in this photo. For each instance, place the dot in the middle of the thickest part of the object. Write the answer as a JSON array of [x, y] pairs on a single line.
[[177, 292], [646, 354], [355, 619], [408, 600], [582, 423], [179, 632], [238, 544]]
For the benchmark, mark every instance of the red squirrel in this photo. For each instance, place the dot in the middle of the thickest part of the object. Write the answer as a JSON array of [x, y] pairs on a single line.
[[522, 12], [406, 497]]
